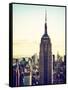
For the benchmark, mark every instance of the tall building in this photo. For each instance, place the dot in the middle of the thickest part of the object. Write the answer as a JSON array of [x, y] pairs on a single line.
[[53, 61], [45, 58], [34, 59]]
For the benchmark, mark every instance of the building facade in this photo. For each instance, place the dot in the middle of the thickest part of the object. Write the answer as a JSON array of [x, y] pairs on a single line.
[[45, 58]]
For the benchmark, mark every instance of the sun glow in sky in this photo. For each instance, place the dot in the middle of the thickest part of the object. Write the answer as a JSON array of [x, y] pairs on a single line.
[[28, 28]]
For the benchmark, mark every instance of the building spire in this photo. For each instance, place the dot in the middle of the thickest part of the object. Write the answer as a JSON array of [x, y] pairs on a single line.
[[45, 22], [45, 16]]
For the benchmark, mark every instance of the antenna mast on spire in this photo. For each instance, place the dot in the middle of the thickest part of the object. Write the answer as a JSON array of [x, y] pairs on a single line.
[[45, 22], [45, 16]]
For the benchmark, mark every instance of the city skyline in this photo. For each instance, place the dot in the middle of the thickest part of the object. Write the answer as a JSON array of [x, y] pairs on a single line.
[[28, 28]]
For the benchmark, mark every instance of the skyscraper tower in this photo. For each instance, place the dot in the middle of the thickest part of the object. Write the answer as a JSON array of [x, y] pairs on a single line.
[[45, 58]]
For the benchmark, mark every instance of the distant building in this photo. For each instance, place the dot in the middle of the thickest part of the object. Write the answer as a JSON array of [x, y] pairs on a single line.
[[45, 59], [53, 61], [35, 59], [65, 59], [59, 74]]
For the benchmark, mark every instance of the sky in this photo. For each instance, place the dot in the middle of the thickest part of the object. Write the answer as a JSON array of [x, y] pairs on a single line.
[[28, 28]]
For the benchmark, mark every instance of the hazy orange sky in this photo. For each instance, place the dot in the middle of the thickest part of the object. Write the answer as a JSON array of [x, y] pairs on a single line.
[[28, 28]]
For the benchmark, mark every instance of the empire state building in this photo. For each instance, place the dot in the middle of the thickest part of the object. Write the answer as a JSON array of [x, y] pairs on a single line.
[[45, 58]]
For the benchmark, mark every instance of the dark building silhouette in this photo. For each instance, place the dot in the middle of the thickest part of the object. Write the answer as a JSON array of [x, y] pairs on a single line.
[[53, 61], [65, 69], [45, 62]]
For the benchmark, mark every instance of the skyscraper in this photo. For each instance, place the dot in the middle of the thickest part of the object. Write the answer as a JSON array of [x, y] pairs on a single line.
[[45, 58]]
